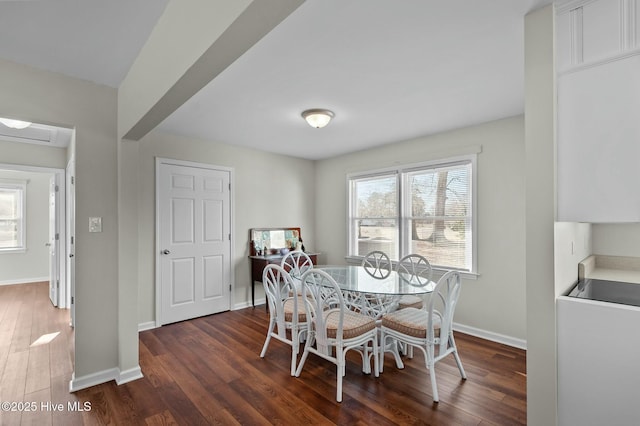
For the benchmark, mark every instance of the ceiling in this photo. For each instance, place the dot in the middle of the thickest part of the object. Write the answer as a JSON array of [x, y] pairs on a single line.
[[390, 71]]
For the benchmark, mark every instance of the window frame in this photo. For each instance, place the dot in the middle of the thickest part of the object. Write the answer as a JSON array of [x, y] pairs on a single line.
[[403, 202], [20, 186], [351, 207]]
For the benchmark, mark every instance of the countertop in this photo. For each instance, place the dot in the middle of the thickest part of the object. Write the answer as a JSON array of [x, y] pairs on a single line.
[[612, 268]]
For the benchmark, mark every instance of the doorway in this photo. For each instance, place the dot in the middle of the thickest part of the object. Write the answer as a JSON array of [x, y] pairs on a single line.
[[35, 250], [40, 153]]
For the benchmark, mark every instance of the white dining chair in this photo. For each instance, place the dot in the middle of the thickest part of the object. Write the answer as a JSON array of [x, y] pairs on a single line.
[[377, 264], [333, 330], [416, 270], [430, 329], [296, 263], [286, 311]]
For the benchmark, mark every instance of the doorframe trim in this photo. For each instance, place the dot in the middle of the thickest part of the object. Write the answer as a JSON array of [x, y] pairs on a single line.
[[61, 218], [170, 161]]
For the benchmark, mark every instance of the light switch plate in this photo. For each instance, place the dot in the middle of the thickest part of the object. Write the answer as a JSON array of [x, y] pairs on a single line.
[[95, 224]]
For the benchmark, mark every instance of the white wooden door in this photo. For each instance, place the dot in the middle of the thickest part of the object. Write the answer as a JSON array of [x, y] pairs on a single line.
[[194, 241], [54, 278]]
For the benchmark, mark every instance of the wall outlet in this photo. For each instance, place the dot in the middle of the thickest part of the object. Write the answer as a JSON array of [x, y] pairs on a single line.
[[95, 224]]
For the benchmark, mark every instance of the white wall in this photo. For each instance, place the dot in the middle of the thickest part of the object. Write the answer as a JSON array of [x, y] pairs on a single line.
[[33, 264], [573, 243], [32, 154], [616, 239], [270, 191], [540, 152], [495, 302], [50, 98]]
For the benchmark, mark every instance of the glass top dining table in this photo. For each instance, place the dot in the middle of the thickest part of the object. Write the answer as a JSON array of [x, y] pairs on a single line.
[[356, 279], [372, 295]]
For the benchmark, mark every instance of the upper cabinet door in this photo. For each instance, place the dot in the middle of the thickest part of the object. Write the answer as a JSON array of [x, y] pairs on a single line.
[[598, 110], [598, 170]]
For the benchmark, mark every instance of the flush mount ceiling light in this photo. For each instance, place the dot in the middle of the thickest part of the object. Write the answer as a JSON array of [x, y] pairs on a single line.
[[15, 124], [317, 118]]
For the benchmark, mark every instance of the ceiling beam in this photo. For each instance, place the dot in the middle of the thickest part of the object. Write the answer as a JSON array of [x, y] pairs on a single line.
[[137, 117]]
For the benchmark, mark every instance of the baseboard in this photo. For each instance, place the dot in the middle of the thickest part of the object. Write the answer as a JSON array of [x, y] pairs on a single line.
[[484, 334], [94, 379], [129, 375], [25, 280], [147, 325], [248, 304], [488, 335], [79, 383]]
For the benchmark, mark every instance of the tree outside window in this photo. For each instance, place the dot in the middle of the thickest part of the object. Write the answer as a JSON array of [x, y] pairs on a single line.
[[440, 219]]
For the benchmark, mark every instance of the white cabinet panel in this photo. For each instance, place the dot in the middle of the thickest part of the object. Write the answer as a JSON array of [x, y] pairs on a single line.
[[595, 31], [601, 27], [598, 368], [564, 35], [598, 170]]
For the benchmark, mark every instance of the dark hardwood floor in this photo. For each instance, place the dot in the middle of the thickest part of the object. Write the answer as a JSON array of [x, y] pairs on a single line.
[[207, 371]]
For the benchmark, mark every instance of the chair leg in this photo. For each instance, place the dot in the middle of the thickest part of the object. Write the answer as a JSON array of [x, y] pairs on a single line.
[[366, 359], [295, 347], [381, 353], [393, 348], [409, 349], [434, 386], [452, 343], [296, 337], [305, 354], [301, 363], [268, 339], [339, 372], [431, 366], [459, 362], [376, 358]]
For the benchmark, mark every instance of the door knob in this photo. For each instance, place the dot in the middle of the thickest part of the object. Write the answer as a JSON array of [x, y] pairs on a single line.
[[165, 251]]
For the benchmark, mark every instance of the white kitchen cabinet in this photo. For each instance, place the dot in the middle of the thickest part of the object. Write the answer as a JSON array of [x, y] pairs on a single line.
[[598, 146], [598, 368]]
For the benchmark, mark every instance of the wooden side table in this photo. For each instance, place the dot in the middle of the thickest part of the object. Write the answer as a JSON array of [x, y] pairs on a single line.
[[258, 263]]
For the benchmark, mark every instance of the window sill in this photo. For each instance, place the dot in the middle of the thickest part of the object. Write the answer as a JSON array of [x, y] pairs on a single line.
[[12, 250], [438, 272]]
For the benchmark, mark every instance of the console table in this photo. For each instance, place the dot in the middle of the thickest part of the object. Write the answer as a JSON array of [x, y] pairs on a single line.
[[266, 246]]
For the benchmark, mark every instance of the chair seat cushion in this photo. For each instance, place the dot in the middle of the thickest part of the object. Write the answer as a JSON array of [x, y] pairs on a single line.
[[410, 321], [410, 301], [353, 324], [288, 310]]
